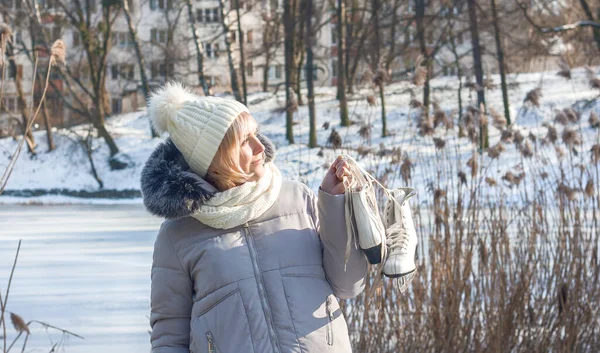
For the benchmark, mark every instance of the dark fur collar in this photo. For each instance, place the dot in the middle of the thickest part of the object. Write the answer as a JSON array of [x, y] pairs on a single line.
[[170, 189]]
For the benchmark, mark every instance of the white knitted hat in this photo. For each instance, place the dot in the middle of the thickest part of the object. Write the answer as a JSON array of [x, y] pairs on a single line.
[[195, 124]]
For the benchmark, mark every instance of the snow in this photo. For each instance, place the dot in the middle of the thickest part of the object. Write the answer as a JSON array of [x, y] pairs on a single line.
[[86, 268], [67, 168]]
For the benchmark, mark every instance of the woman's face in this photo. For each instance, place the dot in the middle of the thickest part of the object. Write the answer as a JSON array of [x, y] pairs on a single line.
[[252, 158]]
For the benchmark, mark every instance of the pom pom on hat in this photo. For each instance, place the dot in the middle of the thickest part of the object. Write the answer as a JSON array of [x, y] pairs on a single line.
[[164, 104], [195, 124]]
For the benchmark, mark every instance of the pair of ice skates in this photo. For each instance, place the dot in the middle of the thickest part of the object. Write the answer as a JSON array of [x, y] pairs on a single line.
[[389, 240]]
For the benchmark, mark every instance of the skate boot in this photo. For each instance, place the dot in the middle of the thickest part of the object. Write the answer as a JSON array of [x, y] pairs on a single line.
[[402, 241]]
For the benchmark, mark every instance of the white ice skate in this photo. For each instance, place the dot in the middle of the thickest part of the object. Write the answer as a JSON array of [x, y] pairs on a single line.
[[362, 214], [402, 241]]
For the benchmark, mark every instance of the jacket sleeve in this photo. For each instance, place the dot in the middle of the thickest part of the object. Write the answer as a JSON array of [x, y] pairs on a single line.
[[170, 299], [331, 226]]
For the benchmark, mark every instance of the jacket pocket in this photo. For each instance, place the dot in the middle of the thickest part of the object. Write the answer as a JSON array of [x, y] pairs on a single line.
[[316, 315], [222, 326]]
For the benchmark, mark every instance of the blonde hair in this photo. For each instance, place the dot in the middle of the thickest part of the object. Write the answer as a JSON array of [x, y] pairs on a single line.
[[224, 171]]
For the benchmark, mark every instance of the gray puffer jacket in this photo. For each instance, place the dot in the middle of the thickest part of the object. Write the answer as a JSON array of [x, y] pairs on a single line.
[[267, 286]]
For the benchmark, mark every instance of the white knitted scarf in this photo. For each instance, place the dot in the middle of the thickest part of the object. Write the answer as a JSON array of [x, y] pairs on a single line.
[[243, 203]]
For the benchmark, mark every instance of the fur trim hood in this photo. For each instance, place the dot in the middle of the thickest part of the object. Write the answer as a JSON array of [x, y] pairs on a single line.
[[170, 189]]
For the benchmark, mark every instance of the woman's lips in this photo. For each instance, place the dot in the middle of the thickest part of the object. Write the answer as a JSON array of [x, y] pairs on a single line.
[[258, 161]]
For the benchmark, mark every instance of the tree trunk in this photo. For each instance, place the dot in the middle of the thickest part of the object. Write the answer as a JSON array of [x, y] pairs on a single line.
[[500, 57], [384, 131], [235, 87], [376, 40], [242, 58], [299, 76], [420, 15], [266, 39], [459, 76], [478, 68], [139, 57], [392, 52], [102, 132], [289, 66], [590, 16], [341, 51], [199, 50], [312, 136]]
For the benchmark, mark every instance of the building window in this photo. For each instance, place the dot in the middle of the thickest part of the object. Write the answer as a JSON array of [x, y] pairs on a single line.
[[211, 50], [232, 36], [208, 50], [249, 69], [199, 15], [158, 36], [122, 39], [114, 72], [159, 70], [11, 104], [122, 71], [216, 14], [117, 105], [278, 71], [249, 36], [153, 4], [334, 68], [271, 72], [164, 4]]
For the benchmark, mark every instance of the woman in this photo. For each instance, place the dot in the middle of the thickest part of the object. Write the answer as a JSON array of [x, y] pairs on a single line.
[[244, 262]]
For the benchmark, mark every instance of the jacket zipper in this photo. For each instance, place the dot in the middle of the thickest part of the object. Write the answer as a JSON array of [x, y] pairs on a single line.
[[261, 288], [211, 344], [330, 321]]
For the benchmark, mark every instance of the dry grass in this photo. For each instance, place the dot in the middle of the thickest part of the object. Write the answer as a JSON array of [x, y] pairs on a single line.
[[495, 275]]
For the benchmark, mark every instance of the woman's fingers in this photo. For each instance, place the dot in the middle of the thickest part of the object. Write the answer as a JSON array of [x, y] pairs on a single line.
[[342, 171]]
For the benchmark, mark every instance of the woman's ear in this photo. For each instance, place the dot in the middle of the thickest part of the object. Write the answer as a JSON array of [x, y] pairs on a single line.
[[269, 147]]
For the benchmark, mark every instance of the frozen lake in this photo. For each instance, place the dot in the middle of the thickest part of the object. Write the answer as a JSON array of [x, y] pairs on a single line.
[[85, 269]]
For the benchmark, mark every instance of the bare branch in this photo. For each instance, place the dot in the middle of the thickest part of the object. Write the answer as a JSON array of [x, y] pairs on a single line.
[[571, 26]]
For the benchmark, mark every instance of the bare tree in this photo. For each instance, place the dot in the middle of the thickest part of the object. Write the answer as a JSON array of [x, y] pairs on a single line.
[[235, 87], [289, 26], [472, 6], [89, 100], [242, 56], [312, 136], [500, 57], [271, 42], [139, 55], [341, 69], [199, 49]]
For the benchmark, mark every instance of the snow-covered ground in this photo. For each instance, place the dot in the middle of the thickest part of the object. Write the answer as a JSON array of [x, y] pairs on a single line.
[[86, 268], [67, 168]]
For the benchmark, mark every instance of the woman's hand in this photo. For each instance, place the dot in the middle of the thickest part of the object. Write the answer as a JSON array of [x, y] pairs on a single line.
[[333, 180]]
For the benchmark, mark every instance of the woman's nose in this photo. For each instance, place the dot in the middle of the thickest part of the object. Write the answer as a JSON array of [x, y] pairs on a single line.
[[258, 146]]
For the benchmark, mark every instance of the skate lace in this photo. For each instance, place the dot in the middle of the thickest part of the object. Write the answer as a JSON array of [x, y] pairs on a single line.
[[360, 178], [398, 238]]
